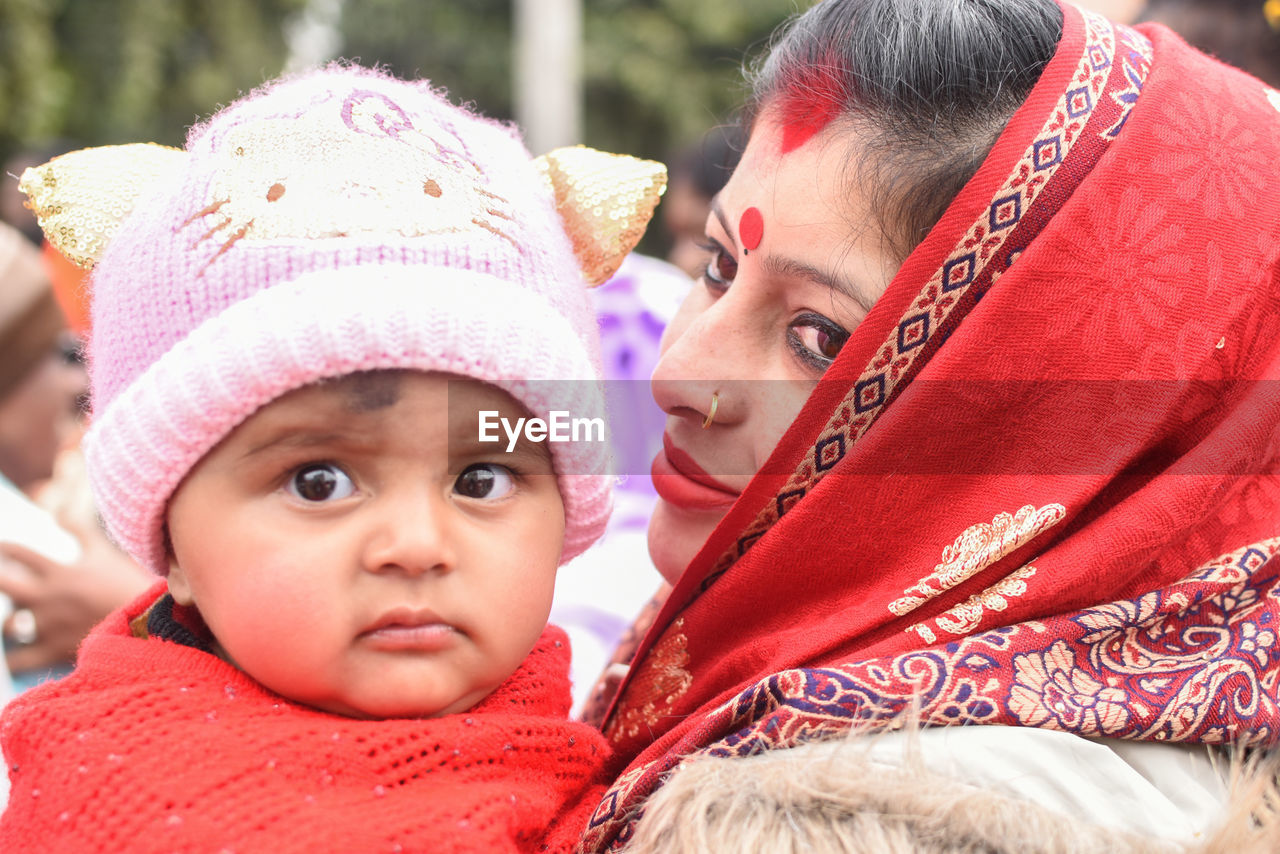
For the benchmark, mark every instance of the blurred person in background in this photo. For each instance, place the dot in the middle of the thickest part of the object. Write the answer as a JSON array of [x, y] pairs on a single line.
[[698, 172], [599, 592], [13, 209], [55, 564], [1243, 33], [69, 287], [39, 385]]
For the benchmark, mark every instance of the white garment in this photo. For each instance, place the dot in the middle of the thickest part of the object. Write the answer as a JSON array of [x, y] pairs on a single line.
[[26, 524], [601, 591], [1156, 790]]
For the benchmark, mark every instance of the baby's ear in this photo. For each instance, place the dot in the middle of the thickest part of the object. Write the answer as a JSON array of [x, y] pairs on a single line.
[[81, 198], [605, 200], [179, 589]]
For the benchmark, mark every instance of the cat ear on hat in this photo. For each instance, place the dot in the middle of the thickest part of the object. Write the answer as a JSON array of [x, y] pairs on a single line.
[[605, 201], [81, 198]]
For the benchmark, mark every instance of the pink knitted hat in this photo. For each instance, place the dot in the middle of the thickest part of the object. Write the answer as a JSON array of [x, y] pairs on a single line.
[[335, 222]]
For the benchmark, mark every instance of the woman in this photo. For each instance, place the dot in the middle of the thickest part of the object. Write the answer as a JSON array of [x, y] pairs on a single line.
[[1243, 33], [1032, 257]]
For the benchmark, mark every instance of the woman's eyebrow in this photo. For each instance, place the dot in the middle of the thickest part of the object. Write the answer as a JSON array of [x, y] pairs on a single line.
[[784, 267], [718, 210], [789, 267]]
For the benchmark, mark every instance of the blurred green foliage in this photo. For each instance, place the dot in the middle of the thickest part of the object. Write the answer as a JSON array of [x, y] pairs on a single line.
[[91, 72], [657, 73], [74, 73]]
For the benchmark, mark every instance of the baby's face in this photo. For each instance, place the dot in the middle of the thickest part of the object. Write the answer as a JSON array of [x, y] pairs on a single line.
[[353, 546]]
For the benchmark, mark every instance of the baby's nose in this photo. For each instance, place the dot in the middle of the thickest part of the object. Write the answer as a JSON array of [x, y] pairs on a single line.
[[412, 536]]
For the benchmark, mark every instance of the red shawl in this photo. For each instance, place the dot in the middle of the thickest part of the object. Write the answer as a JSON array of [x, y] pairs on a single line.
[[154, 746], [1039, 485]]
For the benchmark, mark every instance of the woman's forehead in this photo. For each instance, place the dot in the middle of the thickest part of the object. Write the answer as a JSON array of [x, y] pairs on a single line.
[[805, 209], [812, 185]]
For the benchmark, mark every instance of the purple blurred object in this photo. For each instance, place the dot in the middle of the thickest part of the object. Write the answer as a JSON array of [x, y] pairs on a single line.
[[634, 308]]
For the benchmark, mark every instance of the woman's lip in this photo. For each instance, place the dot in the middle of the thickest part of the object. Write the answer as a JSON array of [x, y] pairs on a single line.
[[685, 465], [680, 481], [402, 629]]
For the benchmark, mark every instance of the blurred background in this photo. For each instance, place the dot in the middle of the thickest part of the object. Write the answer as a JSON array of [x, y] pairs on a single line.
[[654, 78], [645, 77]]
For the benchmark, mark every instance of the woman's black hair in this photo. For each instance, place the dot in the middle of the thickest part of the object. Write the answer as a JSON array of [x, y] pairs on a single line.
[[708, 163], [928, 85]]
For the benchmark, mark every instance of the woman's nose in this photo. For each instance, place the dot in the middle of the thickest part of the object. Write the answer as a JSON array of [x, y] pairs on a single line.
[[411, 533], [705, 351]]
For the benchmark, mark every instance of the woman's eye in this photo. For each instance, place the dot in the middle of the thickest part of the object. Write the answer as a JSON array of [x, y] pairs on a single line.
[[487, 481], [320, 482], [722, 269], [817, 340]]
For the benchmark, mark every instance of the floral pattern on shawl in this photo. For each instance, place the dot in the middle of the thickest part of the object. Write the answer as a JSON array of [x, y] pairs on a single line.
[[1048, 686], [1156, 654]]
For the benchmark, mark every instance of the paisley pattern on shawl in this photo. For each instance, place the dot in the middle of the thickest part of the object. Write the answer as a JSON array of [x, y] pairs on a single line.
[[1135, 596], [1157, 667], [1194, 662]]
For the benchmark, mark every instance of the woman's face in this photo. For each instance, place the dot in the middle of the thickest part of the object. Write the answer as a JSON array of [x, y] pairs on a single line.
[[797, 262]]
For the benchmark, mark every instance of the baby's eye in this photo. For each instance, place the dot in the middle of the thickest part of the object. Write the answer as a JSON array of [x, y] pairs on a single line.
[[320, 482], [722, 268], [486, 481]]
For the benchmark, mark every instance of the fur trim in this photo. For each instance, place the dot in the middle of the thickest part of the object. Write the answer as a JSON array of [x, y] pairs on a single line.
[[831, 797]]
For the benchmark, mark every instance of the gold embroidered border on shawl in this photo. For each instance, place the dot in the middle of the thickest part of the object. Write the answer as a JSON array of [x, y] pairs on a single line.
[[669, 664]]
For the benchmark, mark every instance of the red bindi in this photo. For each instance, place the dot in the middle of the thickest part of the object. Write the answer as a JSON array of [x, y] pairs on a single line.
[[751, 228]]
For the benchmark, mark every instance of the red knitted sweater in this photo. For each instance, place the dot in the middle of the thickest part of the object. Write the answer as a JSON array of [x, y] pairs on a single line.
[[151, 746]]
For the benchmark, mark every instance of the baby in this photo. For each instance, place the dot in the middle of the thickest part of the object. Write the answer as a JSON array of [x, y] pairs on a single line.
[[302, 324]]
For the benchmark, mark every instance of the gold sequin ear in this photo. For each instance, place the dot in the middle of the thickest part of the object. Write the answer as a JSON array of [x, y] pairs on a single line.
[[605, 200], [81, 198]]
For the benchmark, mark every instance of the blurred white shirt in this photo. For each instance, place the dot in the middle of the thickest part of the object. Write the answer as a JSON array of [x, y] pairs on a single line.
[[26, 524]]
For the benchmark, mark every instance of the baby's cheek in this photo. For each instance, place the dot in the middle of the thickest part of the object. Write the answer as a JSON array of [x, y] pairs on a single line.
[[285, 645], [268, 613]]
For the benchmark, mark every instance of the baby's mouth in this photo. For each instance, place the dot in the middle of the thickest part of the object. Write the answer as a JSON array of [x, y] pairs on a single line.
[[409, 629]]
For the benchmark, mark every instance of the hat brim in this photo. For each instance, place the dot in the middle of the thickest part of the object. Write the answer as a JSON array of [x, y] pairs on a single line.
[[328, 324]]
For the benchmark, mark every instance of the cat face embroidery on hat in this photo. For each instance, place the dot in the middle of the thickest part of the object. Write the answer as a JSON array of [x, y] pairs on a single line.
[[363, 167]]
